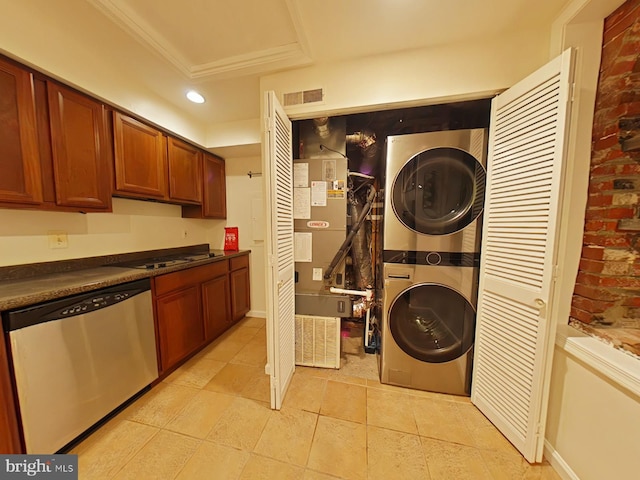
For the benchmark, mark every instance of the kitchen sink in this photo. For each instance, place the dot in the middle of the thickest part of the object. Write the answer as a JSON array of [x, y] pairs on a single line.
[[164, 262]]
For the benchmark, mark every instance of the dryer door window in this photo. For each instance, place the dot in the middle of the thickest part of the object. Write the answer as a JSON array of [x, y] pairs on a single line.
[[439, 191], [432, 323]]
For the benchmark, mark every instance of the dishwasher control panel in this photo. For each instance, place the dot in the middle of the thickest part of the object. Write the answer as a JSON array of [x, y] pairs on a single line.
[[74, 305]]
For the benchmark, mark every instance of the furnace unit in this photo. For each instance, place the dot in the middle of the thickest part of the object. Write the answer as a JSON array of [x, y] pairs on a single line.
[[320, 217]]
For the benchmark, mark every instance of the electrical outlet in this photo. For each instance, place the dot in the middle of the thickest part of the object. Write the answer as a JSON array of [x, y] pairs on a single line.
[[185, 233], [58, 240]]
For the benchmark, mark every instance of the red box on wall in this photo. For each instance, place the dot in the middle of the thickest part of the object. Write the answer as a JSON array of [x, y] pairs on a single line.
[[231, 238]]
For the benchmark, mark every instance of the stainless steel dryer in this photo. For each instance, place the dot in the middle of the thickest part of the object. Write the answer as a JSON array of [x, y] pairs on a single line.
[[428, 322], [434, 191]]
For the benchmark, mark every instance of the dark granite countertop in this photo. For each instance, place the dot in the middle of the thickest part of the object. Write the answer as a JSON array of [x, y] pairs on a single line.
[[23, 285]]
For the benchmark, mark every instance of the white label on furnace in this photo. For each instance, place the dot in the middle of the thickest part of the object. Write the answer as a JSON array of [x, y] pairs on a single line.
[[317, 274], [301, 203], [302, 246], [318, 194], [300, 175]]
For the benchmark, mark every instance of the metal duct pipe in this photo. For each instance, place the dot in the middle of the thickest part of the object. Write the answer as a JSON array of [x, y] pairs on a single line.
[[354, 229], [370, 149]]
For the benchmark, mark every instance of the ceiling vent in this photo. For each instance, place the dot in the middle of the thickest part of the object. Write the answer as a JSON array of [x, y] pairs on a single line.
[[303, 97]]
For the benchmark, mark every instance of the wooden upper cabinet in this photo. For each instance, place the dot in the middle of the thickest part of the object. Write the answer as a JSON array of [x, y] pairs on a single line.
[[140, 159], [20, 177], [185, 174], [80, 149], [214, 196]]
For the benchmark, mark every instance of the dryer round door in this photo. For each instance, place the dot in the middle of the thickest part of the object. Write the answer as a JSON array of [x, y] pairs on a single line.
[[432, 323], [439, 191]]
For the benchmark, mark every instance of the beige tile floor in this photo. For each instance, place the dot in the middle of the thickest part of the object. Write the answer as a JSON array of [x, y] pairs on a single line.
[[211, 419]]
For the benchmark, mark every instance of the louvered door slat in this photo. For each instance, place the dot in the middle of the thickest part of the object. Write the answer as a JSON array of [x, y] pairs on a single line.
[[278, 171], [513, 335]]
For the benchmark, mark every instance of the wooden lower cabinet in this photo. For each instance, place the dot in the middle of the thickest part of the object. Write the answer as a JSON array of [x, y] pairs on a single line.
[[195, 306], [240, 283], [9, 433], [180, 329], [216, 300]]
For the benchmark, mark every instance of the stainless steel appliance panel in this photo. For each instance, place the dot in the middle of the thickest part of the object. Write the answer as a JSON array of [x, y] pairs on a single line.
[[327, 225], [434, 191], [329, 305], [428, 345], [71, 372]]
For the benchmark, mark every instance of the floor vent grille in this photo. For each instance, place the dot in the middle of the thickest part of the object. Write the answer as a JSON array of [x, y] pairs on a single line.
[[317, 341]]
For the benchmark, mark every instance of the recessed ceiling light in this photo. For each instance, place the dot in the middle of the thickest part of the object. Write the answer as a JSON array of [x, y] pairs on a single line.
[[195, 97]]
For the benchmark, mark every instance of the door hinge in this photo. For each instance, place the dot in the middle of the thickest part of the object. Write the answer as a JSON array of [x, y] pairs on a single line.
[[268, 124], [572, 97]]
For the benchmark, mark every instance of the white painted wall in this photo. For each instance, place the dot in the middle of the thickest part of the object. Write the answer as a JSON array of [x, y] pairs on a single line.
[[593, 425], [134, 225], [245, 210], [417, 77]]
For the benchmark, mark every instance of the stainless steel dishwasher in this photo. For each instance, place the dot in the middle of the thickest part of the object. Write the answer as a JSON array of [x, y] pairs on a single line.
[[78, 358]]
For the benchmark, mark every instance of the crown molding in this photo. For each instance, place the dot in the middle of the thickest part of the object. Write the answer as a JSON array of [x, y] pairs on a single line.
[[254, 62], [295, 54], [138, 28]]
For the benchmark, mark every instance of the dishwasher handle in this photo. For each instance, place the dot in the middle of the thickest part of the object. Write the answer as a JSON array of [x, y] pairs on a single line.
[[72, 306]]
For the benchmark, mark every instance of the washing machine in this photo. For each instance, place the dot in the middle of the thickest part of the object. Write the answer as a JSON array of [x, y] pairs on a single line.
[[434, 191], [428, 322]]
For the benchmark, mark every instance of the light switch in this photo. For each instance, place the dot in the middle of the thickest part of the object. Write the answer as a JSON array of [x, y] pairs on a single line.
[[317, 274]]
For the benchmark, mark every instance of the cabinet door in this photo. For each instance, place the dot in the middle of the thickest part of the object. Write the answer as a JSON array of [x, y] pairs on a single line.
[[140, 158], [240, 294], [216, 306], [185, 174], [214, 193], [214, 201], [80, 152], [20, 180], [9, 436], [180, 328]]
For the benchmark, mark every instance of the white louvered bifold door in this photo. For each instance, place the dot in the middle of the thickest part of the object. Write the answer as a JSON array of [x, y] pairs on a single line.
[[514, 334], [278, 174]]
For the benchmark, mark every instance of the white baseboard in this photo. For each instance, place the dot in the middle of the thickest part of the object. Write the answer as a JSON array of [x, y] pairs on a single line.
[[257, 313], [557, 462]]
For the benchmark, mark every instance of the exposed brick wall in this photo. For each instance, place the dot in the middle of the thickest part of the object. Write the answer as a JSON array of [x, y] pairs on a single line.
[[607, 290]]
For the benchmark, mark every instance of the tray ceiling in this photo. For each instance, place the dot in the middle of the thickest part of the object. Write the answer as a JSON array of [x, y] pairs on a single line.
[[222, 48]]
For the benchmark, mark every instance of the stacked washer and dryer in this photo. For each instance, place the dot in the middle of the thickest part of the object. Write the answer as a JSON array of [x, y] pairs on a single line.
[[434, 197]]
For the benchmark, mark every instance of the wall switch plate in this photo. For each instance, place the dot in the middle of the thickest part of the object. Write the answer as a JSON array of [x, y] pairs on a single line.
[[58, 240], [317, 274]]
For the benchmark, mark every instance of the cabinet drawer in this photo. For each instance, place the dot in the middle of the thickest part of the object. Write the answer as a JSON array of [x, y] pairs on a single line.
[[213, 270], [190, 276], [239, 262]]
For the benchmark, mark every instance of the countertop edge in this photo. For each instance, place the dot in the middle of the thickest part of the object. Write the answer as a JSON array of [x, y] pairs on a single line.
[[108, 278]]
